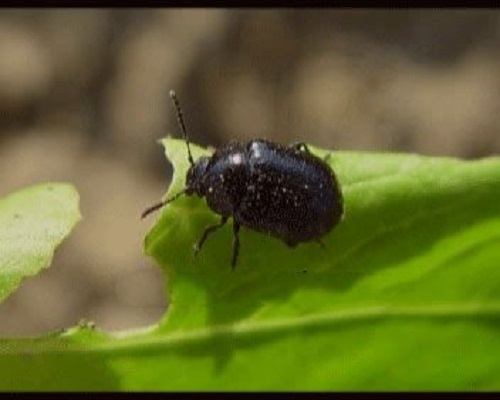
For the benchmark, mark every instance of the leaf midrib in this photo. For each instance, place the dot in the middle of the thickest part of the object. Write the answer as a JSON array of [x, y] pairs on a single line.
[[124, 342]]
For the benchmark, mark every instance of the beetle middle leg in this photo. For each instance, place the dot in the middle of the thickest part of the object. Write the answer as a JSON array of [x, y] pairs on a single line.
[[300, 146], [208, 230], [236, 244]]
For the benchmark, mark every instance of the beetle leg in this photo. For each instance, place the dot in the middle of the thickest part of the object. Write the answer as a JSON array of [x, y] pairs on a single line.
[[208, 230], [327, 157], [300, 146], [236, 244]]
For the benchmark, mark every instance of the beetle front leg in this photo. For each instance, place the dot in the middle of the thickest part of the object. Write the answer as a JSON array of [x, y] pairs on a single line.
[[236, 244], [208, 230]]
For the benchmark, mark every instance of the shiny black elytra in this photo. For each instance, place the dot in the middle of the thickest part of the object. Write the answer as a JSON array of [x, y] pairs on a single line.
[[286, 192]]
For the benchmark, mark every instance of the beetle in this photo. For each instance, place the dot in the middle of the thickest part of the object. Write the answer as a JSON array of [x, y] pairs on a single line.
[[283, 191]]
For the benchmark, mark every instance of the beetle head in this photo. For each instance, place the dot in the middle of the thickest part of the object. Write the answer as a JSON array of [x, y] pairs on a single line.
[[195, 177]]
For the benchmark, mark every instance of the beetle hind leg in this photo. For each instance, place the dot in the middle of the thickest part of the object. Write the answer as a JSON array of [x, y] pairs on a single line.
[[208, 230], [321, 244], [236, 244]]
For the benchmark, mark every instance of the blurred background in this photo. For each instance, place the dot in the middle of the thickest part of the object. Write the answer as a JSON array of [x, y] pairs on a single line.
[[84, 98]]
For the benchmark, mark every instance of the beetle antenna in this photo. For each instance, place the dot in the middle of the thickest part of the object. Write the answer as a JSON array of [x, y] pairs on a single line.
[[180, 118], [162, 203]]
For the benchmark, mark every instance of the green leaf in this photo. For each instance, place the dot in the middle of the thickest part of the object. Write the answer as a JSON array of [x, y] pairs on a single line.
[[33, 222], [405, 295]]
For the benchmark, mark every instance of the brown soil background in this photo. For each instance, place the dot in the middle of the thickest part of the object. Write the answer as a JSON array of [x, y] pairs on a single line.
[[84, 97]]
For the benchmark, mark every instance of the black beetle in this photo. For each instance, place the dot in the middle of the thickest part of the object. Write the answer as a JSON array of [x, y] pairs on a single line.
[[286, 192]]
